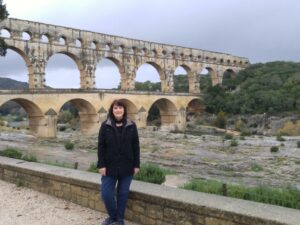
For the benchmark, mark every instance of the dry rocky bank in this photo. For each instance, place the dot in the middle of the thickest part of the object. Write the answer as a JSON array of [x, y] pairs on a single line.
[[206, 155]]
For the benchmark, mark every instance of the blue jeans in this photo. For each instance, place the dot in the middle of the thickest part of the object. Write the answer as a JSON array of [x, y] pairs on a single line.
[[115, 203]]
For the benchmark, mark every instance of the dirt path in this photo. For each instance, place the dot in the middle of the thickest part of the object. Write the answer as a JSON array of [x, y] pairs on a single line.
[[23, 206]]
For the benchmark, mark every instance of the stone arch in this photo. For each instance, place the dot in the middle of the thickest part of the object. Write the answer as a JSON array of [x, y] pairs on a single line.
[[26, 35], [227, 77], [151, 66], [190, 78], [144, 51], [25, 57], [185, 67], [132, 110], [88, 117], [194, 107], [62, 40], [117, 63], [212, 73], [7, 32], [45, 38], [75, 59], [94, 45], [167, 112], [157, 67], [231, 71], [79, 42], [34, 113], [119, 48]]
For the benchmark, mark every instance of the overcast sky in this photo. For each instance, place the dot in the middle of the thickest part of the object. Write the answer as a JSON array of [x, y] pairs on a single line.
[[261, 30]]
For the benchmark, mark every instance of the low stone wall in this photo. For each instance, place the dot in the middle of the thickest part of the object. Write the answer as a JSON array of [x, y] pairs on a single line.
[[148, 204]]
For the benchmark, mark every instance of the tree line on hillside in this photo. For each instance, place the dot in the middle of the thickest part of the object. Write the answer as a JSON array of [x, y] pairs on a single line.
[[272, 87]]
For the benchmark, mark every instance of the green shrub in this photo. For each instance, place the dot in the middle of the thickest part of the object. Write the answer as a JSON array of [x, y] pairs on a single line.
[[69, 145], [233, 143], [280, 138], [228, 136], [242, 138], [18, 118], [207, 186], [151, 173], [245, 133], [30, 158], [11, 153], [239, 125], [190, 126], [65, 116], [274, 149], [298, 144], [93, 168], [220, 120]]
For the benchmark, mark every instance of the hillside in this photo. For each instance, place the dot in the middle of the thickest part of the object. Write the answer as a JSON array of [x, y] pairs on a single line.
[[272, 87], [10, 84]]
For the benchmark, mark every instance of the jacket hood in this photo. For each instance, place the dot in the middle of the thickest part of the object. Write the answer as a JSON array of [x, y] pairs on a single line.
[[128, 122]]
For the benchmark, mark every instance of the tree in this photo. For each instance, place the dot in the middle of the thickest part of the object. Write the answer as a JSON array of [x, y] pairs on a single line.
[[3, 15]]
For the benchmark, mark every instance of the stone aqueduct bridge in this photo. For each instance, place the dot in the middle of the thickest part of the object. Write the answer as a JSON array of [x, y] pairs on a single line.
[[43, 106], [87, 49]]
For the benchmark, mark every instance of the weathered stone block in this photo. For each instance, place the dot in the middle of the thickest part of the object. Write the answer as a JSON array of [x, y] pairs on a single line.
[[215, 221], [154, 211], [91, 204], [82, 201], [100, 206], [172, 214]]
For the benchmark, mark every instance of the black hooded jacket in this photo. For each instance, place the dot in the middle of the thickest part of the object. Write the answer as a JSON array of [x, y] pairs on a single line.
[[120, 154]]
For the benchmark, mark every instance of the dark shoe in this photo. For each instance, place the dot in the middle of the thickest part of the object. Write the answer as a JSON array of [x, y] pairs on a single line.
[[109, 221], [120, 222]]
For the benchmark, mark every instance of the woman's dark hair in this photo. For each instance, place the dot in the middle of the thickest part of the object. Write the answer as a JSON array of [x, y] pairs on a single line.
[[117, 102]]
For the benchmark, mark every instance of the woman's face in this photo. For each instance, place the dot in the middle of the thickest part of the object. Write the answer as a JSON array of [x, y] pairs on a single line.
[[118, 112]]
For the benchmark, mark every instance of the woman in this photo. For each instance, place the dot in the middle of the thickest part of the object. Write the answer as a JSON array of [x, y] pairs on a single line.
[[118, 160]]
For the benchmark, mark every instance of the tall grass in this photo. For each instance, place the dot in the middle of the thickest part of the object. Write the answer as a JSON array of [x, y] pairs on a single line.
[[16, 154], [151, 173], [11, 153], [287, 197], [93, 168]]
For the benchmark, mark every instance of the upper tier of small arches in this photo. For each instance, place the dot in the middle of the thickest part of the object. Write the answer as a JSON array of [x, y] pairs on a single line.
[[57, 35]]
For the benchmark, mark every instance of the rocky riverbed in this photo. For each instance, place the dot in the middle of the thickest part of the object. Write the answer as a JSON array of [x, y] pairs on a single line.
[[203, 156]]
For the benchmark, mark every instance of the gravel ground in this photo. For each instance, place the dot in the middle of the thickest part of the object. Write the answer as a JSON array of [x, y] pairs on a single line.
[[23, 206]]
